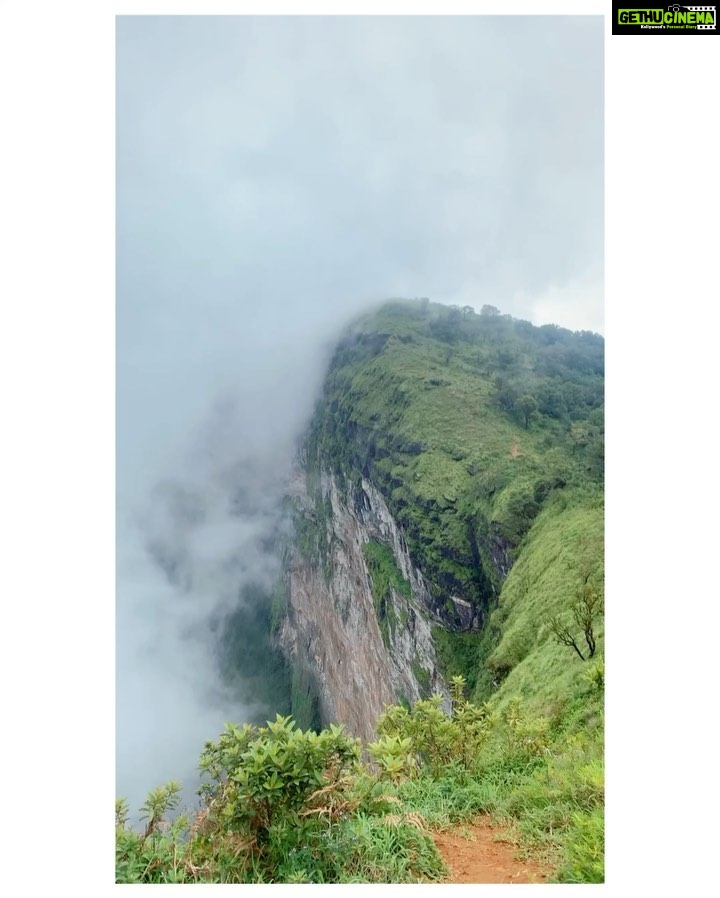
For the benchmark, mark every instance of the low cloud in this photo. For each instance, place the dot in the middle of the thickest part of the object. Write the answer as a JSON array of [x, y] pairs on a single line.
[[578, 304]]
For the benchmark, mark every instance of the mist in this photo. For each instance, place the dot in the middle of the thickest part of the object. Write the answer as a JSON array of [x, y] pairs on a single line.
[[275, 177], [195, 531]]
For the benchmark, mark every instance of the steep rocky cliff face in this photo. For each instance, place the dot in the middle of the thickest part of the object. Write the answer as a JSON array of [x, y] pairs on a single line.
[[362, 650]]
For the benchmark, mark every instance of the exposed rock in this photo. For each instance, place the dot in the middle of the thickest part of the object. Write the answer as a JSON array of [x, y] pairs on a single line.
[[332, 625], [464, 610], [500, 550]]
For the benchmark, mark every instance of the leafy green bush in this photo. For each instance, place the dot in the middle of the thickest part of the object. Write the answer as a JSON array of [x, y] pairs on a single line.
[[525, 736], [394, 756], [158, 855], [272, 780], [433, 737]]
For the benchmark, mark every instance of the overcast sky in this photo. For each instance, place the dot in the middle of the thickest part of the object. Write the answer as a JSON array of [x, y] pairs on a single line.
[[274, 176]]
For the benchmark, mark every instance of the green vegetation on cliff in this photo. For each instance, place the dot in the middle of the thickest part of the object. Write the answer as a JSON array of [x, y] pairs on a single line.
[[384, 577], [469, 425]]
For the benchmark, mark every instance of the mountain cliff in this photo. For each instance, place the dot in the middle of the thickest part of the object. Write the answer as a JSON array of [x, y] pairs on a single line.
[[447, 508], [441, 596]]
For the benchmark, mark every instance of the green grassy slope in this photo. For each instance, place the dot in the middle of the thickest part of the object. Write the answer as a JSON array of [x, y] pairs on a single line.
[[561, 549]]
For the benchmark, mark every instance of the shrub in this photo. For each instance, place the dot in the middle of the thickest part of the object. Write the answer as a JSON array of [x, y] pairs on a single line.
[[271, 780], [525, 737], [435, 738]]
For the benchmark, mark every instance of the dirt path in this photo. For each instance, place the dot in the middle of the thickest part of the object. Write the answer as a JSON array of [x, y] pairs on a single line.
[[477, 853]]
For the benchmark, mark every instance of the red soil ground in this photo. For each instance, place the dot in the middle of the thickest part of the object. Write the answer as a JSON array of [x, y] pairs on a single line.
[[481, 853]]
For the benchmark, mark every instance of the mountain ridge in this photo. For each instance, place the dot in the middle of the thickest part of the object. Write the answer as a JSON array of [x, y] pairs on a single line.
[[448, 414]]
